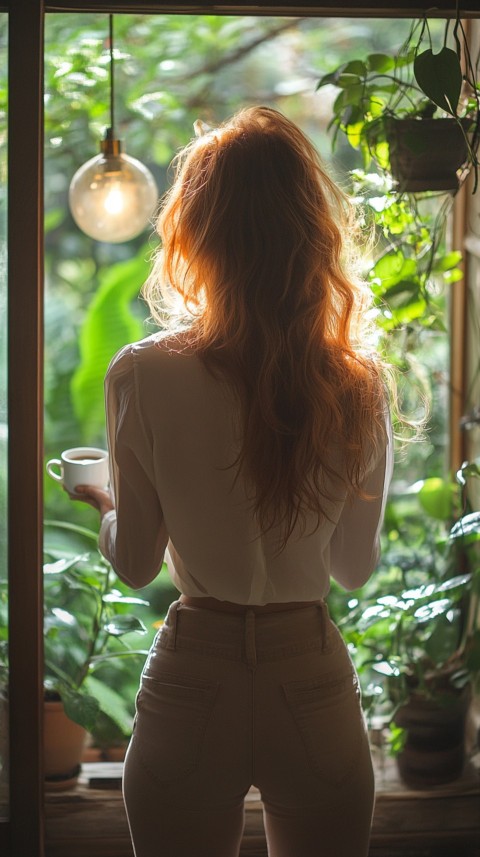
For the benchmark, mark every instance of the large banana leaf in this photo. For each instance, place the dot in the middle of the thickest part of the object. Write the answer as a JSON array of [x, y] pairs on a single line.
[[109, 324]]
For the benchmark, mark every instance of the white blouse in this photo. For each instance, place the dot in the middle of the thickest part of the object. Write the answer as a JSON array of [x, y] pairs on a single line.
[[172, 440]]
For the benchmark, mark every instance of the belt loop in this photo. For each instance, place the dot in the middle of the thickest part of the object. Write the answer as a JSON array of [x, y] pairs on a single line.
[[250, 649], [171, 623]]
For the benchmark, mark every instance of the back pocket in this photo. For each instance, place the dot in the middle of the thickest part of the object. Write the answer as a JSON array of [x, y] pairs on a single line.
[[172, 717], [328, 715]]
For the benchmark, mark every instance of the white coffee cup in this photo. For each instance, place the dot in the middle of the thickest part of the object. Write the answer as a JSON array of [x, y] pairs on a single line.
[[82, 465]]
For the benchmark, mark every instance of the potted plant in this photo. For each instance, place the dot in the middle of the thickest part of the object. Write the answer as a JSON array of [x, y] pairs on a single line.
[[415, 112], [416, 637], [87, 618]]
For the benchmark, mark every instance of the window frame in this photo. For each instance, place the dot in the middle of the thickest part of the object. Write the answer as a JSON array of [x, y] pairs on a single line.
[[25, 834]]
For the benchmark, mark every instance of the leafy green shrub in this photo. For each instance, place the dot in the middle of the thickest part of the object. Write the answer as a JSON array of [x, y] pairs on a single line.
[[89, 626]]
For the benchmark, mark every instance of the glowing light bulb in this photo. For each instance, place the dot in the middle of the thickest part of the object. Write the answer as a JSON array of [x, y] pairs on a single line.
[[114, 201], [113, 196]]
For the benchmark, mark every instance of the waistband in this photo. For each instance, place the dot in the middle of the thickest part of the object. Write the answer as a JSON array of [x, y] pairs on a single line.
[[208, 603], [247, 636]]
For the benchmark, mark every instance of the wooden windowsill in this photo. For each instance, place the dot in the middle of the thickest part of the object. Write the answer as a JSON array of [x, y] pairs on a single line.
[[90, 819]]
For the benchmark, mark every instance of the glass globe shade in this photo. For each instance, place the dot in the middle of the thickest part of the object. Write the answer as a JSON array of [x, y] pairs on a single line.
[[112, 197]]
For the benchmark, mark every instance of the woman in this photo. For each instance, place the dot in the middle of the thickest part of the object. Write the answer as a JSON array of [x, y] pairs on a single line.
[[251, 442]]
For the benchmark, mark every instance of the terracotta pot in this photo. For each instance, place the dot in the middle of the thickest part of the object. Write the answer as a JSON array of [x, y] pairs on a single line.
[[64, 743], [425, 154], [434, 751]]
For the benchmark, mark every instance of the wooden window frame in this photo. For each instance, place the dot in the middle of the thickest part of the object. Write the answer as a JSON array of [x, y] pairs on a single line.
[[24, 833]]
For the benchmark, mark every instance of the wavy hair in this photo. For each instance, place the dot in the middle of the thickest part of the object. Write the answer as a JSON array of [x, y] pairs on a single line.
[[257, 259]]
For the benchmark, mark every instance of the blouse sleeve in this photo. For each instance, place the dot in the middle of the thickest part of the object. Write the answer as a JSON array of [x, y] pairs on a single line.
[[133, 537], [355, 544]]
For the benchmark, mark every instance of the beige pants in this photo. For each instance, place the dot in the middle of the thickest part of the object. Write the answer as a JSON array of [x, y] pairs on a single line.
[[228, 701]]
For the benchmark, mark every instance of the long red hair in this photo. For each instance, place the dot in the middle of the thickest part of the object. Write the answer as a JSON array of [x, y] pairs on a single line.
[[257, 253]]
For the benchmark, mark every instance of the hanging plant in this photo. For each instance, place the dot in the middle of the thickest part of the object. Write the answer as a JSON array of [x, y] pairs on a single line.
[[416, 113]]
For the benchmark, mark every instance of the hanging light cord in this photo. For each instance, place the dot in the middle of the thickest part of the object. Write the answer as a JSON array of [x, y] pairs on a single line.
[[110, 146], [112, 83]]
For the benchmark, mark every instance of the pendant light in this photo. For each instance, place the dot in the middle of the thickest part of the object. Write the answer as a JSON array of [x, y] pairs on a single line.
[[112, 197]]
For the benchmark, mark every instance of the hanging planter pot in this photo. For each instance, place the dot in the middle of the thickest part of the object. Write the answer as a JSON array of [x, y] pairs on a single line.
[[434, 750], [426, 154], [64, 743], [387, 103]]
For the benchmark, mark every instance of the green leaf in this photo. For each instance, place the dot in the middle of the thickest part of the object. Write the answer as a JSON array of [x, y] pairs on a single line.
[[380, 63], [357, 67], [53, 218], [386, 668], [118, 598], [346, 81], [97, 660], [396, 738], [60, 618], [467, 470], [108, 326], [354, 133], [68, 539], [120, 625], [402, 293], [454, 275], [453, 582], [447, 262], [436, 498], [80, 707], [393, 267], [110, 702], [407, 314], [329, 79], [382, 154], [440, 77], [432, 610], [405, 59], [443, 640], [62, 565], [460, 678], [469, 525]]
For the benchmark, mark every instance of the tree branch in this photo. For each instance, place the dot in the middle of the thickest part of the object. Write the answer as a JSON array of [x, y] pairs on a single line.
[[242, 51]]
